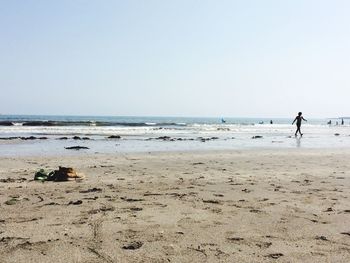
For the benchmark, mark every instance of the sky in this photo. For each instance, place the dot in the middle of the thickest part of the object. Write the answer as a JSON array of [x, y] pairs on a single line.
[[175, 58]]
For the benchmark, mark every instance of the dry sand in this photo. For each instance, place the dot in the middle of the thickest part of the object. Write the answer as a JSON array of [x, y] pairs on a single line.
[[240, 206]]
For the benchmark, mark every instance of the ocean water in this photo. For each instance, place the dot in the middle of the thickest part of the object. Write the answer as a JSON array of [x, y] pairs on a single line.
[[144, 134]]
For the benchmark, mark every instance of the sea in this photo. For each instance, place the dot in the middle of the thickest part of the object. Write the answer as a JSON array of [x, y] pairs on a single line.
[[27, 135]]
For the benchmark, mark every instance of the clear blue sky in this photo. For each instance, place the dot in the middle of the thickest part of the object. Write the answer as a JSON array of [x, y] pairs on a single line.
[[179, 58]]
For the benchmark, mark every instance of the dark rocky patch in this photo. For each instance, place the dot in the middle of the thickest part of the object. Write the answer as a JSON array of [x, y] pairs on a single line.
[[28, 138], [76, 148], [114, 137]]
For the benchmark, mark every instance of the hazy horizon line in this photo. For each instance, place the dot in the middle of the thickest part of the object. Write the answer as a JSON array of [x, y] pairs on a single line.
[[168, 116]]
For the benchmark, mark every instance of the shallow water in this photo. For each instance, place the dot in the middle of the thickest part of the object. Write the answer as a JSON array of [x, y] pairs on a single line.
[[185, 134]]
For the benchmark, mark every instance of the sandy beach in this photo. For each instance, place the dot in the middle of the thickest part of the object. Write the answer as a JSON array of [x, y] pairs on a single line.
[[217, 206]]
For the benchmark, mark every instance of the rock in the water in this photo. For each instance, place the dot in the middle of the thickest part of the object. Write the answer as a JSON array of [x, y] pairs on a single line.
[[9, 138], [257, 137], [28, 138], [336, 134], [114, 137], [164, 138], [76, 148], [76, 138]]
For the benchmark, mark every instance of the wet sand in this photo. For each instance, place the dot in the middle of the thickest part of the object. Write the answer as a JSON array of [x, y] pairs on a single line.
[[223, 206]]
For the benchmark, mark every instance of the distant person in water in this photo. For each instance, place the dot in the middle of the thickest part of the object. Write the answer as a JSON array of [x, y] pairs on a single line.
[[298, 119], [342, 121]]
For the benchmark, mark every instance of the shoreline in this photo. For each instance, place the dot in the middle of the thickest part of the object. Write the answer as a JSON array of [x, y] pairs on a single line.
[[213, 206], [200, 152]]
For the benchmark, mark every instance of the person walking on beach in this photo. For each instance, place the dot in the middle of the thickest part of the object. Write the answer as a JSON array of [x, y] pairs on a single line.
[[298, 119]]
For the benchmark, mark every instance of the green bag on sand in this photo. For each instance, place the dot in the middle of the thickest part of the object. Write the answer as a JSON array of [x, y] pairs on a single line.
[[42, 175]]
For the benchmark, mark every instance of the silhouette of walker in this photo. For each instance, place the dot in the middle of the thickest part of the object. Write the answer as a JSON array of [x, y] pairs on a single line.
[[298, 119]]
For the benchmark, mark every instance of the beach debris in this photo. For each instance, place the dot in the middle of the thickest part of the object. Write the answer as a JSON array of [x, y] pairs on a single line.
[[42, 175], [235, 238], [91, 190], [13, 180], [135, 209], [99, 210], [11, 201], [257, 137], [77, 202], [66, 174], [255, 211], [211, 201], [133, 245], [151, 194], [264, 244], [132, 199], [77, 148], [62, 174], [329, 209], [321, 238], [274, 255], [52, 203], [345, 233], [198, 249]]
